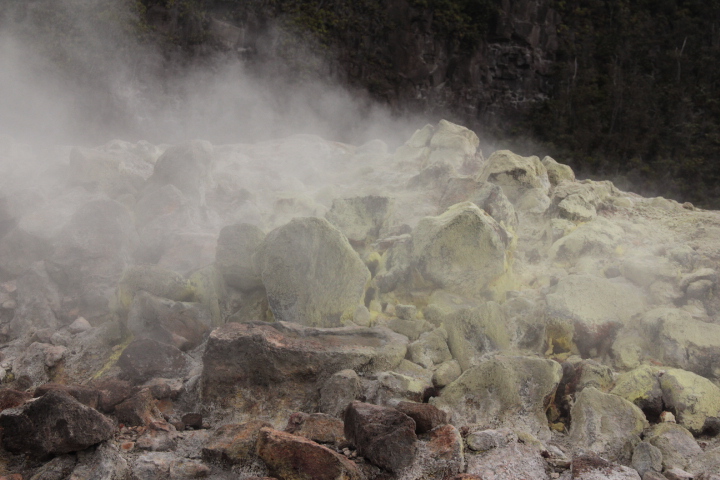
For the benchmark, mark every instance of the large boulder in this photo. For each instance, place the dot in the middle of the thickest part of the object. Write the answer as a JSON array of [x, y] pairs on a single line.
[[596, 307], [311, 273], [518, 176], [485, 195], [606, 424], [360, 218], [694, 399], [383, 435], [464, 250], [676, 444], [53, 424], [488, 394], [236, 246], [278, 367], [38, 302]]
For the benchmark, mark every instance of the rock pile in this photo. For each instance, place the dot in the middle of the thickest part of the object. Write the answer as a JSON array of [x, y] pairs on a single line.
[[302, 309]]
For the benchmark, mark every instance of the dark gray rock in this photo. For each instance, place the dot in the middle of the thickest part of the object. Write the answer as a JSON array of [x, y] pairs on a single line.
[[383, 435], [144, 359], [54, 424]]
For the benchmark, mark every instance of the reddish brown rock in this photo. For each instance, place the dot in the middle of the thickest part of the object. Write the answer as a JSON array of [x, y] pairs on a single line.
[[440, 453], [426, 416], [233, 443], [383, 435], [113, 391], [10, 398], [317, 427], [296, 458], [85, 395], [140, 409]]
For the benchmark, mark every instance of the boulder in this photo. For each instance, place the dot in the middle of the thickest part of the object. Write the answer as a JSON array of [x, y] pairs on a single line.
[[92, 251], [318, 427], [517, 175], [473, 331], [34, 364], [694, 399], [53, 424], [38, 302], [281, 365], [676, 339], [154, 280], [185, 167], [598, 238], [236, 246], [146, 358], [19, 249], [430, 349], [647, 458], [557, 172], [676, 444], [606, 424], [488, 394], [181, 324], [296, 458], [464, 250], [85, 395], [426, 416], [10, 398], [140, 409], [597, 308], [234, 444], [338, 391], [360, 219], [383, 435], [485, 195], [300, 264], [641, 386]]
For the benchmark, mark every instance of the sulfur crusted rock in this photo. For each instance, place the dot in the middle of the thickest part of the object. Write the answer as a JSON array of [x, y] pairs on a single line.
[[311, 273], [464, 250], [488, 394]]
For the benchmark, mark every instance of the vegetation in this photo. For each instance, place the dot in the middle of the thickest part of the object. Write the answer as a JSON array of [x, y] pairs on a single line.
[[638, 95]]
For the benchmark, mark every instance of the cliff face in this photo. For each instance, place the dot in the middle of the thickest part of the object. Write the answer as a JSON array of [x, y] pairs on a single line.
[[476, 61]]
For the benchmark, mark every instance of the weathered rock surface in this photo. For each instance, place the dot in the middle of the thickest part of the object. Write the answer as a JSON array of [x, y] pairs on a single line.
[[234, 255], [300, 265], [463, 250], [487, 394], [383, 435], [146, 358], [284, 357], [606, 424], [53, 424]]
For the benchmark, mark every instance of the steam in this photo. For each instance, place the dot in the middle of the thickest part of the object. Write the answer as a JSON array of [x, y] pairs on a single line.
[[78, 71]]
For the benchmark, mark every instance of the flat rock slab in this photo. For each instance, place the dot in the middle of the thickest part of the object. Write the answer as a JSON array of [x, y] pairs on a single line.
[[266, 360], [53, 424]]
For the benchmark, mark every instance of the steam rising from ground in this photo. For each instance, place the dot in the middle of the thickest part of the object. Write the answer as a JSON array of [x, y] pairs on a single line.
[[79, 71]]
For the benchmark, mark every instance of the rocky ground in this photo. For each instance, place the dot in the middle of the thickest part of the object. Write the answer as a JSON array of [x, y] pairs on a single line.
[[304, 309]]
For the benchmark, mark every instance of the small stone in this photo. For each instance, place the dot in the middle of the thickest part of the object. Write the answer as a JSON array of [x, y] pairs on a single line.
[[79, 325], [667, 417]]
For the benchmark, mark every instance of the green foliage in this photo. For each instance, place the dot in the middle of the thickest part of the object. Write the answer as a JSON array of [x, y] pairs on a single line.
[[637, 89]]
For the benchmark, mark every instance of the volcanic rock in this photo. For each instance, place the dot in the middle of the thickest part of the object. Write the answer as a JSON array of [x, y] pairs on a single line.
[[318, 427], [487, 394], [383, 435], [464, 250], [311, 273], [360, 219], [146, 358], [606, 424], [269, 359], [296, 458], [53, 424], [676, 443], [426, 416], [236, 246], [234, 443]]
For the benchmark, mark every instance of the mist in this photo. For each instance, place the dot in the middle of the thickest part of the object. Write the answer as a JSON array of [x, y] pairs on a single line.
[[84, 72]]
